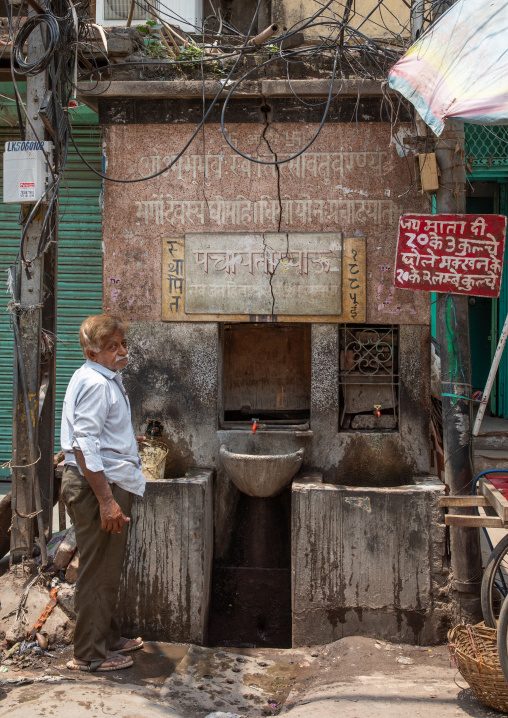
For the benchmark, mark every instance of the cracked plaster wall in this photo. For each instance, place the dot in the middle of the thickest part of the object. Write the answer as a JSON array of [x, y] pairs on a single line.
[[335, 186], [349, 180]]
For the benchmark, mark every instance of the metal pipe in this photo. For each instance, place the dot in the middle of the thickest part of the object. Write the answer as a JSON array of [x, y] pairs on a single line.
[[263, 36], [453, 337], [491, 378], [244, 425]]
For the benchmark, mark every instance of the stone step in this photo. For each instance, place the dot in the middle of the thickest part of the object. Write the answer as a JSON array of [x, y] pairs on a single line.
[[485, 459], [492, 442]]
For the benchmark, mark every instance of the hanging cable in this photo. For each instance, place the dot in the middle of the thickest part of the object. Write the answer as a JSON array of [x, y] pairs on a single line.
[[297, 154], [51, 39]]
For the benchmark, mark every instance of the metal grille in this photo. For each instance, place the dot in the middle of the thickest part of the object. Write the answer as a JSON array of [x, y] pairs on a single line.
[[486, 146], [119, 10], [368, 377]]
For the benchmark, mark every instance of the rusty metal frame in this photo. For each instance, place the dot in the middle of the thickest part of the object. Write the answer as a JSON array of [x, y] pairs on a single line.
[[374, 356]]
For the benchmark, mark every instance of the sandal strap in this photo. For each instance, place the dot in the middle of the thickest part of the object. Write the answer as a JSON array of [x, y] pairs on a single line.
[[94, 665]]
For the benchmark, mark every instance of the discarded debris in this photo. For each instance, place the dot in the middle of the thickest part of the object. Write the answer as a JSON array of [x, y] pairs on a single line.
[[405, 660], [66, 550], [72, 569], [45, 614], [22, 680], [12, 650], [42, 641]]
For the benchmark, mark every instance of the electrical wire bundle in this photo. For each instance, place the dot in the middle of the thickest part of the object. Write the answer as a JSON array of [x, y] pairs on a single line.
[[73, 53], [340, 31], [58, 28]]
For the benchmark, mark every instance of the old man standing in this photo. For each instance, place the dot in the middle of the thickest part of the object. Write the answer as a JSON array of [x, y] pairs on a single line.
[[101, 477]]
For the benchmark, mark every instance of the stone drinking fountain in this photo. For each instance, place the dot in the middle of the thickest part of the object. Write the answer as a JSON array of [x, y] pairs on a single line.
[[261, 476]]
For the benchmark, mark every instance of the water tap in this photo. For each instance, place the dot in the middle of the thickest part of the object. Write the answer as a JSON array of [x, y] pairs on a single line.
[[154, 429], [254, 425]]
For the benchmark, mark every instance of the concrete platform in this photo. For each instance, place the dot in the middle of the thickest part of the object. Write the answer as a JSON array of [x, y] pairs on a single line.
[[491, 445], [368, 561], [165, 590]]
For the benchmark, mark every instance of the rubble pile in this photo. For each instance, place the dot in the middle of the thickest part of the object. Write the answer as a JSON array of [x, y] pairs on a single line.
[[37, 607]]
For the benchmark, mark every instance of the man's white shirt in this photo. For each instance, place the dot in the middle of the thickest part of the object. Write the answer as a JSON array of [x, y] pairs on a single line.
[[96, 418]]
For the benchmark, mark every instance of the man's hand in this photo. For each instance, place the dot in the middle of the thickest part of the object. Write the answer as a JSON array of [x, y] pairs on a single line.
[[140, 438], [112, 518]]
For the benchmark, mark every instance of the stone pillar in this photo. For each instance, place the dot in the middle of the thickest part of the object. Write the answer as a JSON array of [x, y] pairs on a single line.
[[165, 592], [368, 561]]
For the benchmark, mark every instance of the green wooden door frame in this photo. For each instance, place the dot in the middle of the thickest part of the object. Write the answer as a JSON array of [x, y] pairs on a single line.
[[498, 402], [487, 159], [502, 409]]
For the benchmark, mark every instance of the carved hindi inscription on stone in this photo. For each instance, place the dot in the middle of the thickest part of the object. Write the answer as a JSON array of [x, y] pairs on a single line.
[[263, 273], [243, 212]]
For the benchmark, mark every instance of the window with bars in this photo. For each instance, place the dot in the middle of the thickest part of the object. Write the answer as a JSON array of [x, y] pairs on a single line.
[[486, 147], [368, 378], [187, 14], [119, 10]]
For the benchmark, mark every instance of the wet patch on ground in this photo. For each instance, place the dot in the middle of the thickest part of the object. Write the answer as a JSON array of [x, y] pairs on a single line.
[[153, 664], [248, 682]]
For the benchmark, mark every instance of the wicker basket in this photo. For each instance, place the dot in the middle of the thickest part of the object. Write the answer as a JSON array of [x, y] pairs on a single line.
[[473, 649]]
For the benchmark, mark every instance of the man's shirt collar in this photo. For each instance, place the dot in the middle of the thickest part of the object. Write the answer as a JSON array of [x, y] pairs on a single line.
[[101, 369]]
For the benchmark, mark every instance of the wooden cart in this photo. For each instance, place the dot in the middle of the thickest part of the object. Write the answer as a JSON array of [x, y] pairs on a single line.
[[488, 496]]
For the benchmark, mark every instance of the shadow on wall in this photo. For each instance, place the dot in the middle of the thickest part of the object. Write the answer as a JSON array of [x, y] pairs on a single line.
[[172, 378], [374, 461]]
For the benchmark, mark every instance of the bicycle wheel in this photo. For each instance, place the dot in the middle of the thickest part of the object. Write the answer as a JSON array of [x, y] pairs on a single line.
[[502, 639], [495, 583]]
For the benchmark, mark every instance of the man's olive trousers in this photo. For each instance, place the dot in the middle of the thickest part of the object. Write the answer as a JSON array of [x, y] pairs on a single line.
[[101, 557]]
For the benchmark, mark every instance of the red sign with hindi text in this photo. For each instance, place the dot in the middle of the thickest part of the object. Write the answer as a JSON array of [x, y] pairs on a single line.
[[457, 253]]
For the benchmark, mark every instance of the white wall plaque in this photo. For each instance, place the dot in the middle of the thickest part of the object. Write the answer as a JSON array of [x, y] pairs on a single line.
[[264, 273]]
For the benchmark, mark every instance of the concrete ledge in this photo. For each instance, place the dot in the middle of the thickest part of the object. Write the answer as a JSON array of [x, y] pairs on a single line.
[[368, 561], [165, 593], [164, 89]]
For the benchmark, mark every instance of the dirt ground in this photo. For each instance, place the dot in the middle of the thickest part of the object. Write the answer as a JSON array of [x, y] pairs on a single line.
[[351, 678]]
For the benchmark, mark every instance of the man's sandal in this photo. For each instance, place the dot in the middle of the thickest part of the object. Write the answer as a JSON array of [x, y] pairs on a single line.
[[123, 645], [98, 666]]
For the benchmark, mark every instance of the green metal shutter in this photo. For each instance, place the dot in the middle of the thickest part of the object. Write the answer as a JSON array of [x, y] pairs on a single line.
[[79, 271], [9, 244]]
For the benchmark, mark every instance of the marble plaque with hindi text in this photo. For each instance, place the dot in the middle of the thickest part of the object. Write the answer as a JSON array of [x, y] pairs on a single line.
[[263, 273]]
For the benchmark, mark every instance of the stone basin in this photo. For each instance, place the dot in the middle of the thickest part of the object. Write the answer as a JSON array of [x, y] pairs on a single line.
[[261, 475]]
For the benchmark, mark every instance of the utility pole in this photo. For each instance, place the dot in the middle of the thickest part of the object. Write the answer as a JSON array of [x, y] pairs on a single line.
[[417, 18], [453, 338], [27, 456], [441, 8]]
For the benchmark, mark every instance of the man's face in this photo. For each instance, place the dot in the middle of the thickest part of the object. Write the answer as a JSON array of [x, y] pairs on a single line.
[[113, 353]]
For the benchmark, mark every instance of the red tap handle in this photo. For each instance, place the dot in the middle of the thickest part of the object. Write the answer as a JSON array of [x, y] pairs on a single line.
[[254, 427]]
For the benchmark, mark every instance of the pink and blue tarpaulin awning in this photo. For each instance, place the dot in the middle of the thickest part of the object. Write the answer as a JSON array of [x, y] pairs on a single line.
[[459, 67]]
